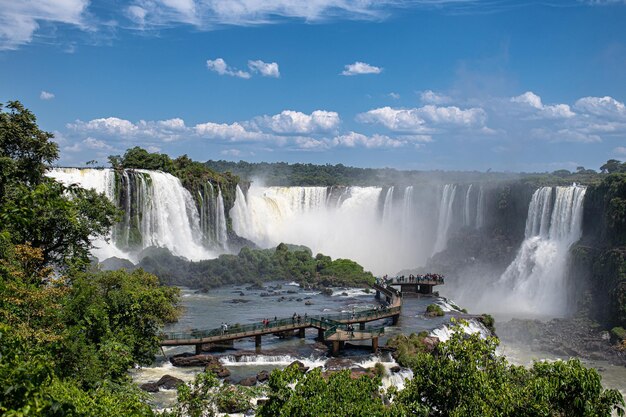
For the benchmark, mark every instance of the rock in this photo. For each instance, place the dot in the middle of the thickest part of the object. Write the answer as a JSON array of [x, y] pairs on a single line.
[[308, 303], [238, 301], [150, 387], [605, 335], [345, 294], [335, 364], [395, 369], [327, 291], [298, 299], [248, 382], [262, 376], [299, 365], [218, 369], [193, 360], [169, 382], [430, 343]]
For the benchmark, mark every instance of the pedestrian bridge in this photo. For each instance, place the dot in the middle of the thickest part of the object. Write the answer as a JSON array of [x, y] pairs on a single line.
[[334, 328]]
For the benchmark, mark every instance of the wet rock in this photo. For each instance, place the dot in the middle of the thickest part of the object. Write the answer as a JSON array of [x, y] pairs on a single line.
[[218, 369], [193, 360], [254, 287], [335, 364], [248, 382], [169, 382], [395, 369], [262, 376], [299, 365], [238, 301], [327, 291], [150, 387], [345, 294], [308, 303]]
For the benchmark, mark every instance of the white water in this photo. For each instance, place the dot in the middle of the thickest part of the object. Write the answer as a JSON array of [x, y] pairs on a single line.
[[159, 209], [220, 221], [467, 217], [470, 327], [480, 204], [388, 207], [445, 217], [535, 284]]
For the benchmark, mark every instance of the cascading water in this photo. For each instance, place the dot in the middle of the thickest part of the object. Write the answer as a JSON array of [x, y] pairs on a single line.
[[480, 204], [535, 283], [220, 221], [467, 216], [445, 217], [388, 207], [158, 211]]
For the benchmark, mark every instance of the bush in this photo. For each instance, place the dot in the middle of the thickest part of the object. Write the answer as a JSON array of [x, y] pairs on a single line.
[[434, 310]]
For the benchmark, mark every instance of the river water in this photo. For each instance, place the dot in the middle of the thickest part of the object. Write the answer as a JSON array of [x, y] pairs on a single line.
[[209, 310]]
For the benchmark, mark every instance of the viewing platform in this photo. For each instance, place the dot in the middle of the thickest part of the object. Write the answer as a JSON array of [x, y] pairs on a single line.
[[416, 284], [334, 328]]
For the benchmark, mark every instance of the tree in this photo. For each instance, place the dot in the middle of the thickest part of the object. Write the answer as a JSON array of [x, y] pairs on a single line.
[[611, 166]]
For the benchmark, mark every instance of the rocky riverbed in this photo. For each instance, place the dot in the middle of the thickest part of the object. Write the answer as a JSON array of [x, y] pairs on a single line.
[[564, 338]]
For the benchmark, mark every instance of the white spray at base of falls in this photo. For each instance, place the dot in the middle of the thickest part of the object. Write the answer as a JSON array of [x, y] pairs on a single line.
[[220, 221], [388, 207], [536, 282], [157, 211]]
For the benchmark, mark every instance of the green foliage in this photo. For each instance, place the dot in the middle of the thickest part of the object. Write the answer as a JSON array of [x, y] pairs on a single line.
[[465, 377], [205, 397], [25, 150], [312, 395], [435, 310], [293, 263], [489, 322], [619, 333]]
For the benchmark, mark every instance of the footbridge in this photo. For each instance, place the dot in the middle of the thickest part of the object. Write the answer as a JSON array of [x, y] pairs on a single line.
[[333, 328]]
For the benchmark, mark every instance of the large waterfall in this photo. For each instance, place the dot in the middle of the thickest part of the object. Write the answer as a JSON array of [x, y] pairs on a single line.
[[535, 283], [385, 230], [157, 211]]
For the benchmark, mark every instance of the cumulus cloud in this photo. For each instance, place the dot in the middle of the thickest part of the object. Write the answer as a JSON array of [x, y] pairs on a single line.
[[165, 130], [290, 122], [430, 97], [219, 66], [359, 68], [45, 95], [353, 139], [93, 143], [620, 150], [533, 101], [424, 119], [394, 96], [602, 106], [231, 152], [266, 69]]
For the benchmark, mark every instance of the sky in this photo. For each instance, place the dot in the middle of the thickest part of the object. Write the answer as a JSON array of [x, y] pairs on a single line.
[[525, 86]]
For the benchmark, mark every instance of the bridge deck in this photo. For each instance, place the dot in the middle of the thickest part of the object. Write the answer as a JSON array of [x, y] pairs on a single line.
[[334, 326]]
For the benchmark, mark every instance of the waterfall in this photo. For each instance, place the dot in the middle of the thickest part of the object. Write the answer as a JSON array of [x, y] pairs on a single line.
[[158, 211], [407, 214], [467, 219], [480, 204], [388, 206], [445, 217], [535, 283], [220, 221]]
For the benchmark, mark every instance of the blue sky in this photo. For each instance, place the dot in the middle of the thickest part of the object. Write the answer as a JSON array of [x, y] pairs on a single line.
[[416, 84]]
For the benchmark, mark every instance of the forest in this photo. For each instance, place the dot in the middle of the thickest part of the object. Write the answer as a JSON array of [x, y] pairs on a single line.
[[70, 333]]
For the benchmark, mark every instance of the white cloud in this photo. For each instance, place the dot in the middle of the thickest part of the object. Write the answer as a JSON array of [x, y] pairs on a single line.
[[153, 149], [93, 143], [424, 119], [165, 130], [394, 96], [231, 132], [620, 150], [602, 106], [219, 66], [532, 100], [231, 152], [564, 135], [109, 125], [430, 97], [359, 68], [19, 19], [353, 139], [290, 122], [266, 69], [44, 95]]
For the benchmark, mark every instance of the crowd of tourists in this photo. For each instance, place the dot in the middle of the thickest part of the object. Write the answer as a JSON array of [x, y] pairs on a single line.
[[417, 279]]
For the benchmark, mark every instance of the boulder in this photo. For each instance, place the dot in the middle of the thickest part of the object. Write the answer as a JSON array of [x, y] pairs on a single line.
[[150, 387], [299, 365], [248, 382], [262, 376], [169, 382], [430, 343], [218, 369], [193, 360]]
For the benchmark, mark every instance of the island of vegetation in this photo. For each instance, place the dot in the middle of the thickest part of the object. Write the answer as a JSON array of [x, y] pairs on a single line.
[[69, 334]]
